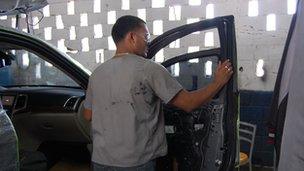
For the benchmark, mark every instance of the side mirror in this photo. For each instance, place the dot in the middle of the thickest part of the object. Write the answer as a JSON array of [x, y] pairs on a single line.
[[6, 59]]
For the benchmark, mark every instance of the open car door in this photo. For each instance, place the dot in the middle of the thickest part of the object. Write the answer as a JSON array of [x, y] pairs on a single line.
[[205, 139]]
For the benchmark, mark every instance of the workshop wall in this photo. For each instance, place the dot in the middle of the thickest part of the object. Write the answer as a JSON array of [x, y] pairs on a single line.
[[82, 29], [255, 109]]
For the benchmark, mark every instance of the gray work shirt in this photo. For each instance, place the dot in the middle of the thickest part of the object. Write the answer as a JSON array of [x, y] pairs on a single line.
[[125, 96]]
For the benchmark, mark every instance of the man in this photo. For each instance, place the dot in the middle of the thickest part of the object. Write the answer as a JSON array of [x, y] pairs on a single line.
[[124, 101]]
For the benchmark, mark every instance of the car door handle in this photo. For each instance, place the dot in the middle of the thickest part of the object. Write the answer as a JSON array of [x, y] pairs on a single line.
[[47, 126]]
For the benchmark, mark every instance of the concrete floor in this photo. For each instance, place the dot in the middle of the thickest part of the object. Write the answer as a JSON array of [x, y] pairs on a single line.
[[67, 166], [256, 168]]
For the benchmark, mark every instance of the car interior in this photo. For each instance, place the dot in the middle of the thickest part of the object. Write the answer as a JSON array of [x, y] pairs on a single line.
[[44, 104]]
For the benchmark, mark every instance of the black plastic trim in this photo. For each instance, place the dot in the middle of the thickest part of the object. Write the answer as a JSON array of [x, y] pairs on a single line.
[[187, 56]]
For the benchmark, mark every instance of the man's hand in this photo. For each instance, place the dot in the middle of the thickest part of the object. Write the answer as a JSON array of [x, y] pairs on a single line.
[[223, 73], [189, 101]]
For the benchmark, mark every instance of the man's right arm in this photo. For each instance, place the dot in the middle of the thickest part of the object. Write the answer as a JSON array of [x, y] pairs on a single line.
[[189, 101]]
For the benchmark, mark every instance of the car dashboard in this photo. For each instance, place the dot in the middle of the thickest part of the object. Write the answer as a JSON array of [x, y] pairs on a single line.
[[46, 114]]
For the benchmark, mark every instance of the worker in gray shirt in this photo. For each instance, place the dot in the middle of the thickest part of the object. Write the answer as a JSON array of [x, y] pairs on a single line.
[[123, 101]]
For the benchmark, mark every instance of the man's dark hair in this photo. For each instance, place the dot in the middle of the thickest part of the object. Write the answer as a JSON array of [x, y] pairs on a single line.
[[124, 25]]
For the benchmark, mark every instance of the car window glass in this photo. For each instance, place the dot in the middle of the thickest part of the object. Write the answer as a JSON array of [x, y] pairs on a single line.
[[194, 73], [28, 69], [194, 42]]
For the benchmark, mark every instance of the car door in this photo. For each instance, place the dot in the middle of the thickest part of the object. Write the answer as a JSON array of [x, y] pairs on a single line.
[[205, 139]]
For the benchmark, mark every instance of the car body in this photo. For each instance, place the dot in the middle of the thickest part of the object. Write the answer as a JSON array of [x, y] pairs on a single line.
[[46, 106]]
